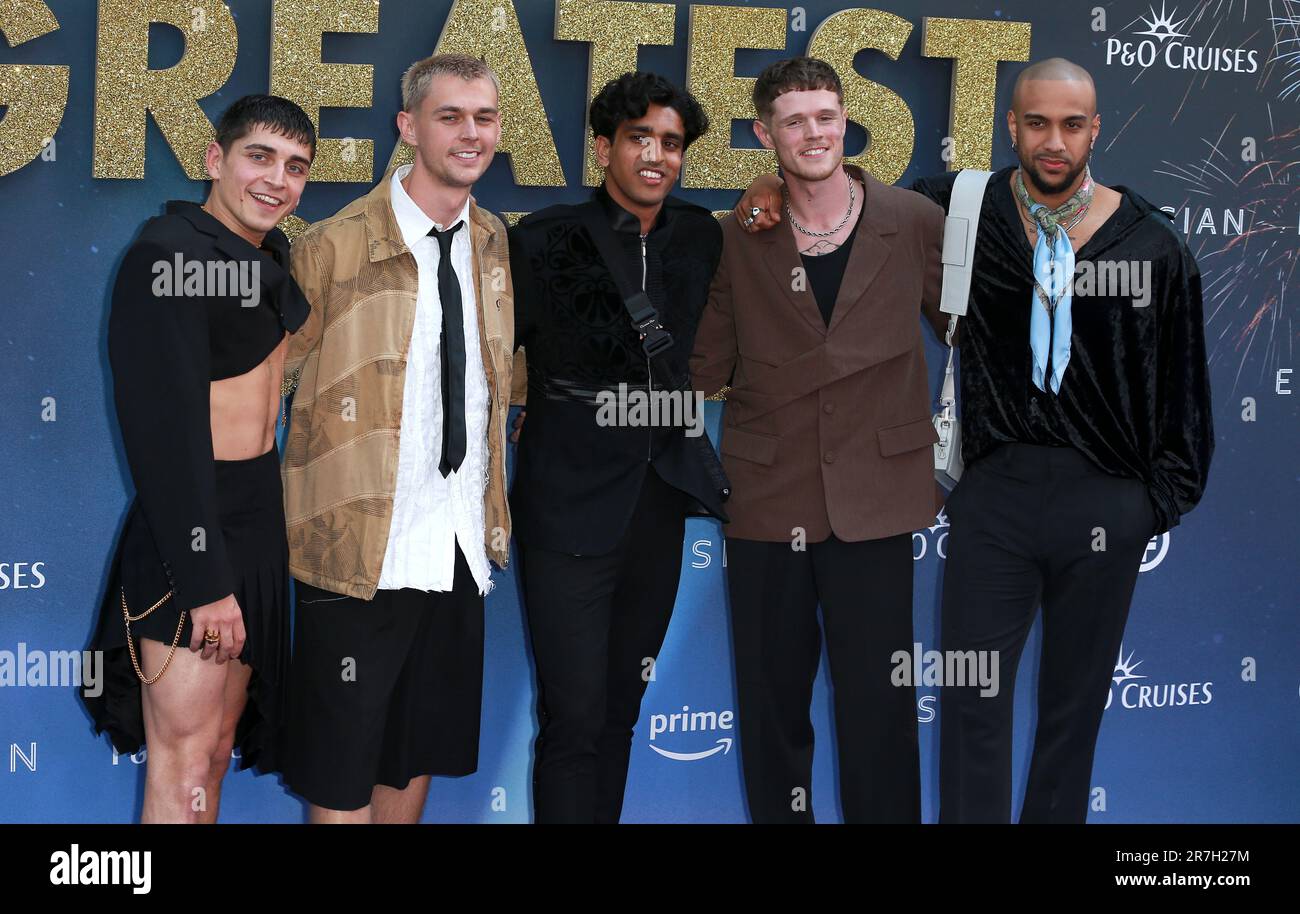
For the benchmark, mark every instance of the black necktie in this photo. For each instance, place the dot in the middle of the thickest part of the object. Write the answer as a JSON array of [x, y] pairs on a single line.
[[452, 350]]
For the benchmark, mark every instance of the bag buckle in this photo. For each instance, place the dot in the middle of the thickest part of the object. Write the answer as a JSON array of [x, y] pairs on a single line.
[[654, 338]]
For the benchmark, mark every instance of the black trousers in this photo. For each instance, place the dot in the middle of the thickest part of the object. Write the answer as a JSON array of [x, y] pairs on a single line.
[[1035, 525], [865, 592], [597, 623]]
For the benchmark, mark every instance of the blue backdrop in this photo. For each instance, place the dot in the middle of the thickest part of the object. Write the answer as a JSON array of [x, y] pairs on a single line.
[[1214, 621]]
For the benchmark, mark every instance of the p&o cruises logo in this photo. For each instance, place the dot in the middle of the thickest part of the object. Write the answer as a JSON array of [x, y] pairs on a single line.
[[1163, 41]]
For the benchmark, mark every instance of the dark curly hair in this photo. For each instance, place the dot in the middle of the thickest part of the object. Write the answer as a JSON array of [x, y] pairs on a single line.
[[630, 96], [279, 115]]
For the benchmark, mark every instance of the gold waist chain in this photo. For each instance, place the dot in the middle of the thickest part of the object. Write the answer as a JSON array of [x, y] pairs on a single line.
[[135, 661]]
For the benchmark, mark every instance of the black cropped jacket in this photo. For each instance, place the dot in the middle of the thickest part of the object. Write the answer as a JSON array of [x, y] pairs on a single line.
[[170, 334]]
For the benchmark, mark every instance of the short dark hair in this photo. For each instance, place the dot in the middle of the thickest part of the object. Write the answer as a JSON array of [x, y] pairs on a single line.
[[279, 115], [630, 96], [794, 74]]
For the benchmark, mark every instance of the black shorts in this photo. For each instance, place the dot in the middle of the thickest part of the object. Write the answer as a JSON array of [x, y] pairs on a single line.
[[251, 505], [383, 690]]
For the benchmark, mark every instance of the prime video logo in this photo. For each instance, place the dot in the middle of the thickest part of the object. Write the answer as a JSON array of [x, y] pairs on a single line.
[[706, 723]]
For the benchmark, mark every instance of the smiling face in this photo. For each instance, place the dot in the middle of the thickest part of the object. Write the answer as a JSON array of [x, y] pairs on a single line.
[[806, 128], [257, 182], [1053, 123], [454, 129], [643, 161]]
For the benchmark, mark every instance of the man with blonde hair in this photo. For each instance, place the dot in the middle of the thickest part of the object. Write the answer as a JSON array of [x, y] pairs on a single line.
[[394, 470]]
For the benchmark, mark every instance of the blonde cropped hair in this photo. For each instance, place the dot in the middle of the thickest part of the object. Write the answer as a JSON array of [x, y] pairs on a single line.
[[422, 73]]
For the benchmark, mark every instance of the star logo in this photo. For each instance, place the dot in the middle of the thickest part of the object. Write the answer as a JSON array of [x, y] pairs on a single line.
[[1161, 25], [1124, 667]]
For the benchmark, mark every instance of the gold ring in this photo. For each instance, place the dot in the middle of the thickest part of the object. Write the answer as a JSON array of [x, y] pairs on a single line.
[[212, 636]]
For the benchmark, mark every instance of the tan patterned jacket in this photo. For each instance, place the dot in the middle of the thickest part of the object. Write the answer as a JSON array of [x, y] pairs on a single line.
[[340, 471]]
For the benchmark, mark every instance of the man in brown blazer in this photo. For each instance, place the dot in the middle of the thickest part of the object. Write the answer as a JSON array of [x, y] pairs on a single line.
[[814, 331]]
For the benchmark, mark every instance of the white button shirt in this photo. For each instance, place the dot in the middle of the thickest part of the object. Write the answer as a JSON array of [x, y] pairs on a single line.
[[431, 514]]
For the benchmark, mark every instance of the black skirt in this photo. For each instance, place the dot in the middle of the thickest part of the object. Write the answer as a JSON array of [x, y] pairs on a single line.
[[252, 522]]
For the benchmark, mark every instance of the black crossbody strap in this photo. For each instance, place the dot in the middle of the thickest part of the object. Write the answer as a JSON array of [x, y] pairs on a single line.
[[655, 340]]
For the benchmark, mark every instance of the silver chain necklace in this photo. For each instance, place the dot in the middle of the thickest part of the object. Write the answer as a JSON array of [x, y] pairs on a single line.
[[853, 196]]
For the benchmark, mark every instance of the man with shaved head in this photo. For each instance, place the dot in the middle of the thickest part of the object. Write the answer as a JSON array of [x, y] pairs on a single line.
[[1086, 430]]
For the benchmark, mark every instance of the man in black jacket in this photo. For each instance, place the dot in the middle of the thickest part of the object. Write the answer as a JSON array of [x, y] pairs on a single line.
[[611, 462], [202, 309]]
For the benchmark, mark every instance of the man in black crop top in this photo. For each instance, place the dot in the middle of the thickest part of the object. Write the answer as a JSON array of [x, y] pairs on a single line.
[[600, 504], [196, 608]]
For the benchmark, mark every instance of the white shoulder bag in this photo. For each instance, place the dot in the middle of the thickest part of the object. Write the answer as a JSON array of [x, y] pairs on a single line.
[[958, 257]]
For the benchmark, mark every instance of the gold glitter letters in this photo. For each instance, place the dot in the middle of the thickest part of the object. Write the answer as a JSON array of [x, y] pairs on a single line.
[[883, 113], [615, 31], [976, 46], [35, 96], [125, 87], [298, 74], [715, 33], [127, 91], [490, 29]]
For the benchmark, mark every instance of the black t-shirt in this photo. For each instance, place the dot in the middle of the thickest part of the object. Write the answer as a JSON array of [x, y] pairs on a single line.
[[826, 272]]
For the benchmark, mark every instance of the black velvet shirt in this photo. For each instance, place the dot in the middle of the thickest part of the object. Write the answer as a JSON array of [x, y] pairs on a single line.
[[1135, 396]]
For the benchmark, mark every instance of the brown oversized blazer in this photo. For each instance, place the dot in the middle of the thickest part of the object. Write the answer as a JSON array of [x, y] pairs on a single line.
[[827, 429]]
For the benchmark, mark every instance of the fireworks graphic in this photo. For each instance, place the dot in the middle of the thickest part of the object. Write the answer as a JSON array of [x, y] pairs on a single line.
[[1286, 45], [1283, 21], [1246, 277], [1203, 23]]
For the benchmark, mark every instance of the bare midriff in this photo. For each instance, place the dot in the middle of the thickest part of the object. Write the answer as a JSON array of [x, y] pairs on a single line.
[[245, 409]]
